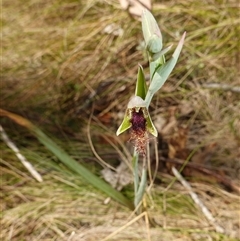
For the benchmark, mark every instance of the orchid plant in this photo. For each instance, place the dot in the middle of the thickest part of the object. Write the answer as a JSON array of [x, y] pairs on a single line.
[[137, 117]]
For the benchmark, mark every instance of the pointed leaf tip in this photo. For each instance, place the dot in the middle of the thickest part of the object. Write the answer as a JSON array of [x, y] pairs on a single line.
[[179, 47]]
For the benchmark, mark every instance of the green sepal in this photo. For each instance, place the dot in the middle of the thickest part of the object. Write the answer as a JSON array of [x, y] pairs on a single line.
[[150, 126], [141, 86], [126, 124]]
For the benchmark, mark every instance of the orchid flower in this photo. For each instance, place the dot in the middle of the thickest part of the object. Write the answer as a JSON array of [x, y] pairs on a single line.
[[137, 117]]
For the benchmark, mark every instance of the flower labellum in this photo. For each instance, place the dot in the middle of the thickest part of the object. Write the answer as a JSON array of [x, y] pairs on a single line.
[[138, 120]]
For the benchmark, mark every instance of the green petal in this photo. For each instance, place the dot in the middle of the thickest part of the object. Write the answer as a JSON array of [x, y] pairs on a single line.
[[126, 124]]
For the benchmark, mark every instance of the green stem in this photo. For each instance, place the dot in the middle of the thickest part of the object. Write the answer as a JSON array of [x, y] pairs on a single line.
[[139, 189], [135, 171]]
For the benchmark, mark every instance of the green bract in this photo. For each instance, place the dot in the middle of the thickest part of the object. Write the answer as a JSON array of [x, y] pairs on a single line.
[[151, 31], [154, 44]]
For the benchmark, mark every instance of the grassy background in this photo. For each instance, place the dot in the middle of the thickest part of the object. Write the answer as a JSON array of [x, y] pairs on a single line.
[[57, 61]]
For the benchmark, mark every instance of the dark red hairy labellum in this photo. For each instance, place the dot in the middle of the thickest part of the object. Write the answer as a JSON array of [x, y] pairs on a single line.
[[138, 121], [139, 136]]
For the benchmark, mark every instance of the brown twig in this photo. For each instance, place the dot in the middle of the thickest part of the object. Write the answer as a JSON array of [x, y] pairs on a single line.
[[206, 170]]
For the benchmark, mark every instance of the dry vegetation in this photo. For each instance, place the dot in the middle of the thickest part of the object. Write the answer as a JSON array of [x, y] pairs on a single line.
[[58, 64]]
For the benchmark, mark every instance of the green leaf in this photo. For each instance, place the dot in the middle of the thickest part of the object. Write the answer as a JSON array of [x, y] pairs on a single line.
[[158, 56], [157, 61], [69, 161], [162, 73], [141, 86]]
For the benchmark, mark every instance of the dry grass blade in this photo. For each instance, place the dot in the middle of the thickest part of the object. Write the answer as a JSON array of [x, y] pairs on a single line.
[[144, 214], [68, 161], [197, 200], [24, 161]]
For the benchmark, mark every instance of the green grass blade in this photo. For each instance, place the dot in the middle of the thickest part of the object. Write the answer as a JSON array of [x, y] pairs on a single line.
[[69, 161]]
